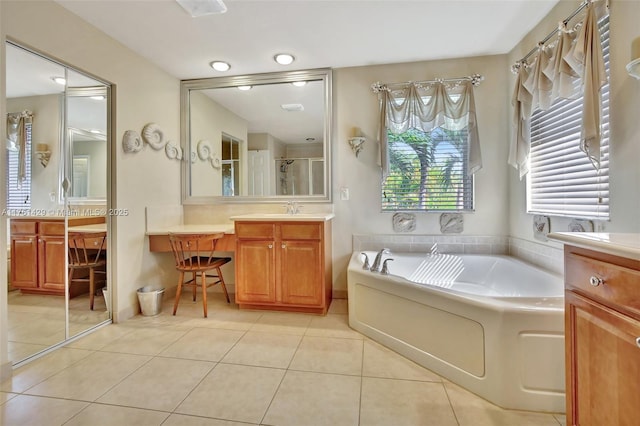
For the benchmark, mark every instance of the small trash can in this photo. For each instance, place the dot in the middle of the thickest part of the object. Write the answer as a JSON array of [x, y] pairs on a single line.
[[150, 300]]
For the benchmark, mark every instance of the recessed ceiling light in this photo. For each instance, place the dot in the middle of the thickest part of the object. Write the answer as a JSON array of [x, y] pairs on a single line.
[[98, 98], [283, 58], [292, 107], [299, 83], [244, 87], [95, 131], [197, 8], [220, 66], [60, 80]]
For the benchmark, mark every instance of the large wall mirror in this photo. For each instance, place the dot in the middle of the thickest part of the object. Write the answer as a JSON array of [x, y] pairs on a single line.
[[262, 137], [59, 132]]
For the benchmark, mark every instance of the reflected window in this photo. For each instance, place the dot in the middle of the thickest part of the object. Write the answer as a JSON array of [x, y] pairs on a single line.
[[230, 165]]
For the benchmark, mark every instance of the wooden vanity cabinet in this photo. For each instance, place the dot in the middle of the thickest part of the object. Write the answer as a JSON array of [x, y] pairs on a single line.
[[602, 319], [284, 265], [38, 254]]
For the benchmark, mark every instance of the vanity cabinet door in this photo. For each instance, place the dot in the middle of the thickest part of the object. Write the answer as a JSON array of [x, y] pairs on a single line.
[[603, 355], [24, 261], [301, 272], [255, 271], [51, 261]]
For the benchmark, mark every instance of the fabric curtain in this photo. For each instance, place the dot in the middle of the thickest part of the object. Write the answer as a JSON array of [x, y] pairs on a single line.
[[17, 139], [427, 107], [572, 66]]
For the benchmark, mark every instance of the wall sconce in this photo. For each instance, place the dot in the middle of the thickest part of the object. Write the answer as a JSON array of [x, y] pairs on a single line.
[[43, 153], [356, 144], [633, 67]]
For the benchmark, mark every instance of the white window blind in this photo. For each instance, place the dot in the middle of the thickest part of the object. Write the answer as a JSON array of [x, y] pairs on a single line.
[[428, 172], [19, 196], [562, 181]]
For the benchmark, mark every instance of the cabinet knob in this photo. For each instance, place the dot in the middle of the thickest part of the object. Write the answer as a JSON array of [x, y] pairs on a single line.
[[270, 246], [595, 281], [283, 246], [638, 341]]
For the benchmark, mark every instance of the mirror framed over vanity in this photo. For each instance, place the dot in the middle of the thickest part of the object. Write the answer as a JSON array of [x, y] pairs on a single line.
[[257, 138]]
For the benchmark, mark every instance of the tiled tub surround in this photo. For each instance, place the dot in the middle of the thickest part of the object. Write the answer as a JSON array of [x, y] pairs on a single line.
[[497, 329], [546, 256]]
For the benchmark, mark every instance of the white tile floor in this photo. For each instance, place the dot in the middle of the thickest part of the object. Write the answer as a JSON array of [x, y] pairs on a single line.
[[239, 367]]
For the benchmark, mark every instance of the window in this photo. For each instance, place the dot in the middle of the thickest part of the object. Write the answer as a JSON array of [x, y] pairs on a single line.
[[230, 165], [19, 195], [428, 171], [562, 181]]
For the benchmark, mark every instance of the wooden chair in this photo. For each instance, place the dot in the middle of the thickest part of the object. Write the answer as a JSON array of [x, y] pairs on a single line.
[[87, 251], [194, 253]]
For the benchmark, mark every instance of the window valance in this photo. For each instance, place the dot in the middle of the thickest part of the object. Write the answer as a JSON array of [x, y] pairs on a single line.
[[572, 66], [448, 104]]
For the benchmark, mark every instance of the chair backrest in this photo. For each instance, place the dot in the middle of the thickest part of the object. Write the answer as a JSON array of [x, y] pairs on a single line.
[[193, 250], [86, 248]]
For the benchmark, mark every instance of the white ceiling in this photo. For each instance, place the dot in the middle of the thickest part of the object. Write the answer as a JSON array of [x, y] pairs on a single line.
[[319, 33]]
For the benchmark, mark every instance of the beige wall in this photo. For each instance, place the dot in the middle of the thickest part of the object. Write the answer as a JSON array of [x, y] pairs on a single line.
[[208, 121], [142, 94], [46, 129], [625, 126]]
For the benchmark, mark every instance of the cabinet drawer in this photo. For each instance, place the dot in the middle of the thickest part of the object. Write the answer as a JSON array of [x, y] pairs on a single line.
[[255, 230], [20, 227], [616, 286], [301, 231], [51, 228]]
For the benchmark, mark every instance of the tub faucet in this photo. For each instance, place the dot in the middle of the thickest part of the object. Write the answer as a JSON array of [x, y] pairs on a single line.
[[385, 268], [366, 262], [378, 259], [293, 207]]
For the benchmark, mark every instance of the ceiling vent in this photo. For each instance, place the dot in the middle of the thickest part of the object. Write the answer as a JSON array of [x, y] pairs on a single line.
[[197, 8]]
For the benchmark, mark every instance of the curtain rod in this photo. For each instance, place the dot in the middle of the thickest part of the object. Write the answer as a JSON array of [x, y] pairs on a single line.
[[475, 79], [554, 32]]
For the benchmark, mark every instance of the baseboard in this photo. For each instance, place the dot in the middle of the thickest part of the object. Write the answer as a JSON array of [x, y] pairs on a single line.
[[6, 371], [339, 294]]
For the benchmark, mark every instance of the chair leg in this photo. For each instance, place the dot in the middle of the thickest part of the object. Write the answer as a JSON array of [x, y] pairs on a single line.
[[224, 287], [195, 285], [178, 293], [204, 292], [92, 287]]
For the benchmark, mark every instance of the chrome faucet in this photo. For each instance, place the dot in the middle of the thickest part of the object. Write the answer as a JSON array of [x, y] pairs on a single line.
[[378, 259], [385, 268], [293, 207]]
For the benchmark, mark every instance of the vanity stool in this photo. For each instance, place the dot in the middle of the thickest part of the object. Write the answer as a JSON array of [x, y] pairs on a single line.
[[194, 253]]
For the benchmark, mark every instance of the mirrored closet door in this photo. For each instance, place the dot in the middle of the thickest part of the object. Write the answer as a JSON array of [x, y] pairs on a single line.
[[57, 173]]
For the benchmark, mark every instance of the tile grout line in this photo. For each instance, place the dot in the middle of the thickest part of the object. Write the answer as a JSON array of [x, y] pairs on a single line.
[[455, 416]]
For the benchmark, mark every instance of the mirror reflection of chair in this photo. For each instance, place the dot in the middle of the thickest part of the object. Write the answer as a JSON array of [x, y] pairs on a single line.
[[87, 251], [194, 253]]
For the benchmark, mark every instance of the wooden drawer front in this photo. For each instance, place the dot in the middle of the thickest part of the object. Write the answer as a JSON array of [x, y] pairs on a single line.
[[620, 286], [51, 228], [301, 231], [255, 230], [19, 227]]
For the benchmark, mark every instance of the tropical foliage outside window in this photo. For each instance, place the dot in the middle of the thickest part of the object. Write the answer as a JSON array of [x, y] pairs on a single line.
[[428, 171]]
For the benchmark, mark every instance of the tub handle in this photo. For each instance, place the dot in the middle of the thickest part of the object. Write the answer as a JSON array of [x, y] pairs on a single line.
[[638, 341], [366, 262], [595, 281]]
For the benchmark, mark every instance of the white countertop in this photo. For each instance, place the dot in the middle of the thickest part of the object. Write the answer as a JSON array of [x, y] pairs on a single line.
[[94, 227], [298, 217], [227, 228], [618, 244]]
